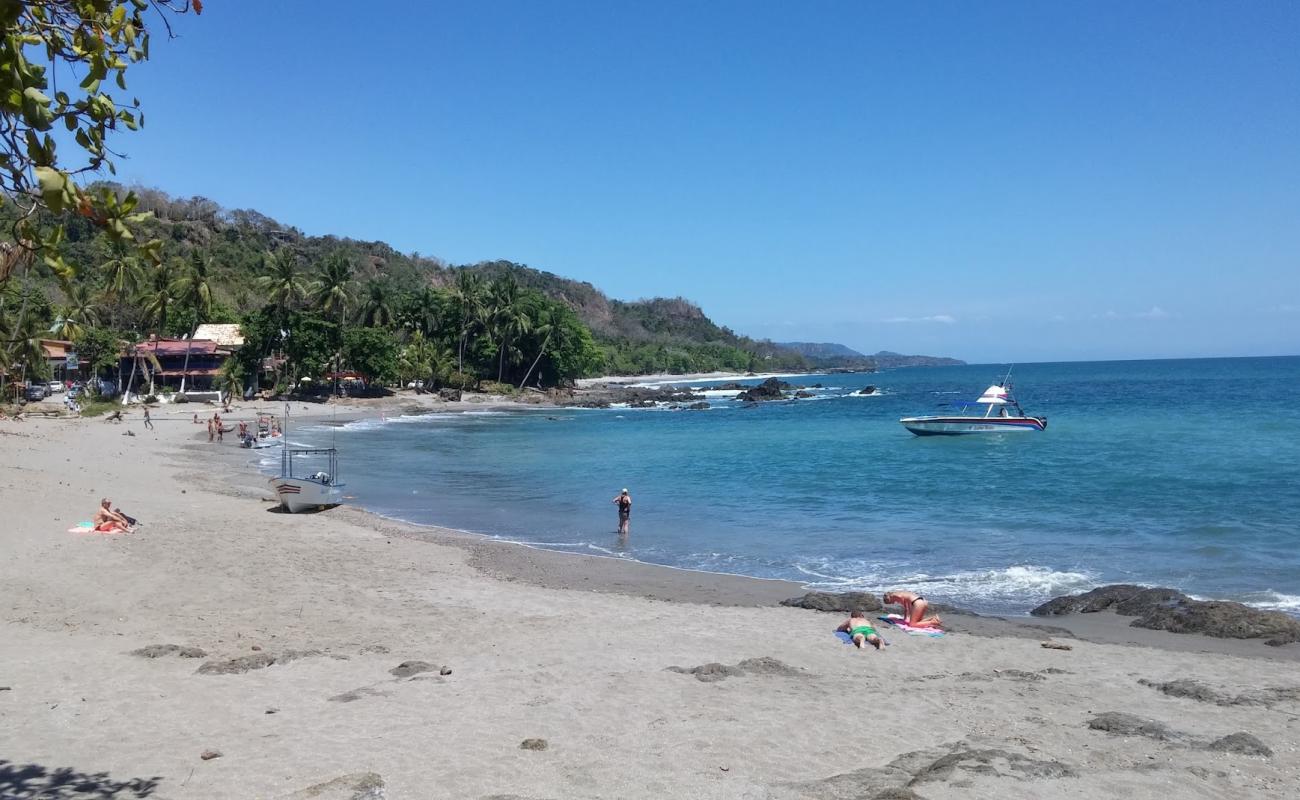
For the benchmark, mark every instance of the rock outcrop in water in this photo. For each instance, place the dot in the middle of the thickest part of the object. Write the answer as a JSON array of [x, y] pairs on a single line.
[[1165, 609], [770, 389], [636, 396]]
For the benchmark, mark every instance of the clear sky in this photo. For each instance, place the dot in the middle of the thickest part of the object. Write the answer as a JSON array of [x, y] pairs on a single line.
[[993, 181]]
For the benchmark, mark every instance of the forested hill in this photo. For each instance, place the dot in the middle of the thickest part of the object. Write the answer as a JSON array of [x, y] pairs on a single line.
[[241, 247], [828, 354]]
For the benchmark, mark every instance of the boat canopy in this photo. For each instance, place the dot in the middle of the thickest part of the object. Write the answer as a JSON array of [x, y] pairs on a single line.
[[994, 395]]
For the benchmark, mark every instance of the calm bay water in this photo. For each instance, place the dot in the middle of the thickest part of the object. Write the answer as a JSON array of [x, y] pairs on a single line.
[[1181, 473]]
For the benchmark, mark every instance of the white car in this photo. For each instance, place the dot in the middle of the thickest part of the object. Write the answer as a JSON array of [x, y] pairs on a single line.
[[54, 387]]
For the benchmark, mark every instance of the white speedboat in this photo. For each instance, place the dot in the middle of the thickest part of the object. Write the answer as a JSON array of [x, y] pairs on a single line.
[[320, 489], [995, 419]]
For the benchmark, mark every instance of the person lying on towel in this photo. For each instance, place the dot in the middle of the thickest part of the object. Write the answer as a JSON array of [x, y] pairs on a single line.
[[858, 627], [107, 520]]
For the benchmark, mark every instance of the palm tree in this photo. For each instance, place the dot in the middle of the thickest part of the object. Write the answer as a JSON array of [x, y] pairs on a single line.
[[424, 358], [544, 326], [331, 293], [195, 293], [509, 319], [23, 351], [79, 312], [467, 292], [160, 296], [377, 306], [122, 272], [231, 379], [283, 284], [422, 312]]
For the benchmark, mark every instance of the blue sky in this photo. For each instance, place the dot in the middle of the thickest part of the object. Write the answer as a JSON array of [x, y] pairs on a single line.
[[1010, 181]]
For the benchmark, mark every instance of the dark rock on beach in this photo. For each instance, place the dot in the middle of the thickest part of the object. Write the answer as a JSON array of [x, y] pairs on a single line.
[[802, 395], [238, 666], [1098, 599], [449, 395], [408, 668], [161, 650], [700, 406], [355, 786], [1123, 724], [1195, 690], [534, 744], [836, 601], [714, 672], [1170, 610], [1241, 743], [951, 763]]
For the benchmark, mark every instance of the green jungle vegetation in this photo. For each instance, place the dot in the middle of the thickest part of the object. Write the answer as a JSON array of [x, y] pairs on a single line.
[[323, 303], [84, 259]]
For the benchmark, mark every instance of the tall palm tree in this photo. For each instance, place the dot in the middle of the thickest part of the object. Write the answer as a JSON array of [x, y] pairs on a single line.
[[377, 305], [231, 379], [22, 351], [467, 293], [283, 284], [544, 325], [194, 292], [509, 319], [79, 311], [160, 296], [123, 274], [331, 294]]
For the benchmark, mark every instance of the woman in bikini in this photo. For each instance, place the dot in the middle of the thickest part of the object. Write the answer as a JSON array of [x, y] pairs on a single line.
[[914, 608]]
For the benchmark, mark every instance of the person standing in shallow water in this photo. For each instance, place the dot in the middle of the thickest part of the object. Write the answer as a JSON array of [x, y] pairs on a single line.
[[624, 503]]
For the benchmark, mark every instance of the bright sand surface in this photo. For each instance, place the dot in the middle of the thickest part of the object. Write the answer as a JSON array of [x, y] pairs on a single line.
[[540, 645]]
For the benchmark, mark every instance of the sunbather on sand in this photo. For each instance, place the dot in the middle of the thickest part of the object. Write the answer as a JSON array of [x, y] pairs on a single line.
[[914, 608], [107, 520], [858, 627]]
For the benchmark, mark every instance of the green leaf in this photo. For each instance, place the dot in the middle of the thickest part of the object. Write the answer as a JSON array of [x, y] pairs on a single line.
[[36, 95], [53, 184]]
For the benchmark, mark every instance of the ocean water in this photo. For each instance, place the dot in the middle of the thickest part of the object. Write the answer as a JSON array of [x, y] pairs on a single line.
[[1179, 473]]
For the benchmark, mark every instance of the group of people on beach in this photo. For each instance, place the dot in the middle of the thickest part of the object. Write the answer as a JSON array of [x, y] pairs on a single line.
[[214, 426], [859, 628]]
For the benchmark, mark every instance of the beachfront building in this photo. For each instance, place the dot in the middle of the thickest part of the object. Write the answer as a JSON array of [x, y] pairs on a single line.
[[56, 354], [159, 365]]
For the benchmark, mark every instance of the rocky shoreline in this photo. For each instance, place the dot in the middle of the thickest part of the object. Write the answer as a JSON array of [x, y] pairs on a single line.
[[1164, 609]]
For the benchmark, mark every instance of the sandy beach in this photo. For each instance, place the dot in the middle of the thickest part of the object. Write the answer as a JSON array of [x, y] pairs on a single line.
[[340, 655]]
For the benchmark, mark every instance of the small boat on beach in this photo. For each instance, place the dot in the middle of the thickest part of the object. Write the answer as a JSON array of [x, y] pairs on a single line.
[[995, 419], [267, 435], [297, 493]]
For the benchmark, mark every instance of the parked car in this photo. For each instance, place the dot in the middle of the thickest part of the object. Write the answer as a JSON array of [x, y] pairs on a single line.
[[37, 391], [55, 387]]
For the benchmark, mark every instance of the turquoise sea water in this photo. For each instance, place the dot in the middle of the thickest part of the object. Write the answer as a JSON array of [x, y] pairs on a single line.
[[1180, 473]]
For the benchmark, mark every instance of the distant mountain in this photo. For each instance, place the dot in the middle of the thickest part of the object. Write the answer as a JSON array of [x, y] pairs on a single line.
[[822, 350], [828, 355], [888, 360]]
